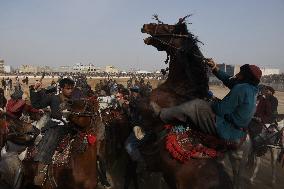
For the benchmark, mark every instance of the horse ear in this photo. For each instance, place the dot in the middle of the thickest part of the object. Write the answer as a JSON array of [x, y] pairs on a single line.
[[181, 20], [155, 17]]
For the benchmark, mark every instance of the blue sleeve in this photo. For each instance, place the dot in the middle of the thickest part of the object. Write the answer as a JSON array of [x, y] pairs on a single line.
[[225, 78], [229, 102]]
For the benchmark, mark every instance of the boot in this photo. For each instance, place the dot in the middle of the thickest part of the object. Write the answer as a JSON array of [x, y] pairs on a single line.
[[41, 174]]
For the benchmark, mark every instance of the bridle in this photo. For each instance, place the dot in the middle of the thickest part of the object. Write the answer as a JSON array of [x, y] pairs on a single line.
[[170, 45], [172, 35], [85, 112]]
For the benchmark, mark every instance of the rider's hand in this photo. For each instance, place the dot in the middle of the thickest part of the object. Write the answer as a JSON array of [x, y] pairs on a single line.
[[210, 62], [37, 85], [41, 111]]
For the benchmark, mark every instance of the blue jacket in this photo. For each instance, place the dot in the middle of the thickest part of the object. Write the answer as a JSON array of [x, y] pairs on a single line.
[[235, 110]]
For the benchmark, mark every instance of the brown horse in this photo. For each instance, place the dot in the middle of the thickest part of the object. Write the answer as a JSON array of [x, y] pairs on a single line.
[[187, 79], [80, 171], [16, 135], [117, 129]]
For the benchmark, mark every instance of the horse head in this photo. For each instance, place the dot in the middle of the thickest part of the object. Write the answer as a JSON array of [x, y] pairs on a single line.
[[187, 73], [84, 112], [20, 132]]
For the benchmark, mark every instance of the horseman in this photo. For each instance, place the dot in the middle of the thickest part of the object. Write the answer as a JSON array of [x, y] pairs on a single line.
[[16, 106], [3, 100], [273, 101], [263, 112], [138, 137], [56, 127], [228, 118]]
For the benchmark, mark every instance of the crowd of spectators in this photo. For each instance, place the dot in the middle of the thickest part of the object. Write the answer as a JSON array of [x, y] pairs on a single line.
[[152, 75], [274, 78]]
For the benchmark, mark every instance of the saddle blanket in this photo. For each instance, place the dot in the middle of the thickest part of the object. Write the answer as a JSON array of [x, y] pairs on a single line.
[[184, 144], [68, 146]]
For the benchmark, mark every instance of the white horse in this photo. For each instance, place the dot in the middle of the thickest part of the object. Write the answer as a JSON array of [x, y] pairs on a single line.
[[273, 149], [239, 160]]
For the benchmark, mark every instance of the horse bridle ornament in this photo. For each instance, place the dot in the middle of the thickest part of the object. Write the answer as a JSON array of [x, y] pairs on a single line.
[[172, 35], [85, 113], [168, 43]]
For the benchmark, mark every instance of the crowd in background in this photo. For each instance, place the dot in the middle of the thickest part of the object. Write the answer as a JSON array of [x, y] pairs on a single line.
[[154, 75], [275, 80]]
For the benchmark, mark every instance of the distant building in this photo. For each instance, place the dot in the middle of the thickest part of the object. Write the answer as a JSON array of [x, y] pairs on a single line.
[[67, 69], [29, 69], [270, 71], [143, 72], [1, 66], [111, 69], [79, 67], [7, 69], [46, 69], [229, 69]]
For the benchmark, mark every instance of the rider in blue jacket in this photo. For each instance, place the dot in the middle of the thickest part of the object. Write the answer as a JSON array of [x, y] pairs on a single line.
[[229, 117]]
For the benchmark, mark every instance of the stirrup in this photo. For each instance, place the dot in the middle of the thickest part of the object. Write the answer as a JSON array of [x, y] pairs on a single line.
[[42, 172]]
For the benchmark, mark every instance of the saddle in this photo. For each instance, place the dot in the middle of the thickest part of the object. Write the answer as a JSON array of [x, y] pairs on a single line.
[[70, 145], [270, 136], [184, 144]]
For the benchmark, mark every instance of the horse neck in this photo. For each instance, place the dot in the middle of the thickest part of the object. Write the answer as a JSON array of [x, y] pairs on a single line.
[[185, 80]]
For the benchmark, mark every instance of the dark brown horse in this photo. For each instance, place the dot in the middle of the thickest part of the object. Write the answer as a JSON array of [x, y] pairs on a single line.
[[117, 129], [187, 79], [80, 172], [15, 135]]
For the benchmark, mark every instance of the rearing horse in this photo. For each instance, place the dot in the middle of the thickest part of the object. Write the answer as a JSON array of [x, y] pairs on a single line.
[[187, 79]]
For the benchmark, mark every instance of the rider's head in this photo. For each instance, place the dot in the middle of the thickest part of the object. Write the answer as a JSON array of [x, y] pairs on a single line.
[[135, 91], [249, 74], [17, 94], [66, 86], [269, 90]]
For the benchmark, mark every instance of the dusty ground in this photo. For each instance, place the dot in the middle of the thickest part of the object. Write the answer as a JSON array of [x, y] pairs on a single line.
[[263, 179]]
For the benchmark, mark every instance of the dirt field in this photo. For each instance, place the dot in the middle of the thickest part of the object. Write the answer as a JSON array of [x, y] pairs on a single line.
[[263, 180]]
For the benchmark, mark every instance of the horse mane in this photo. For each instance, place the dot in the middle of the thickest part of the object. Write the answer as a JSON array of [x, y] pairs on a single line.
[[191, 60]]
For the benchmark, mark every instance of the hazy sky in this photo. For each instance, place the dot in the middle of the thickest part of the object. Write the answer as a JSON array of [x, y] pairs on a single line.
[[108, 32]]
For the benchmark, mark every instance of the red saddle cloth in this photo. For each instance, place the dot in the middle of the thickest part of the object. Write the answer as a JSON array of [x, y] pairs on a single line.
[[189, 144]]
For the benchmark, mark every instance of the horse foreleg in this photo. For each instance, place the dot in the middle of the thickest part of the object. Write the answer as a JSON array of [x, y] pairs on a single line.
[[235, 163], [255, 169], [238, 159], [273, 160]]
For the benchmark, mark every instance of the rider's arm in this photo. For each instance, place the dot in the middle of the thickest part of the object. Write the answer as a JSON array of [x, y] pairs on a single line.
[[55, 107], [29, 108], [225, 78]]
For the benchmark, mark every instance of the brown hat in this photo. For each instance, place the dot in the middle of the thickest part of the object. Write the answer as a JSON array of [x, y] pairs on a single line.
[[252, 73], [256, 72]]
